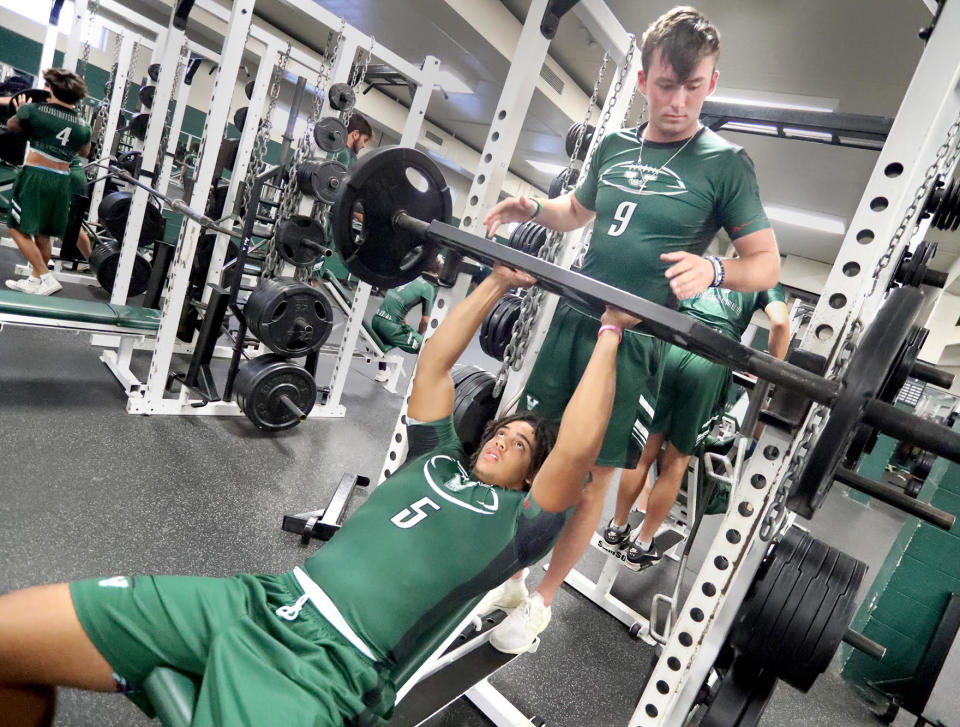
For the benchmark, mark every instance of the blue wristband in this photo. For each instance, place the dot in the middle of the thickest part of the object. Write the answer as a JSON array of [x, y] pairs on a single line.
[[718, 272]]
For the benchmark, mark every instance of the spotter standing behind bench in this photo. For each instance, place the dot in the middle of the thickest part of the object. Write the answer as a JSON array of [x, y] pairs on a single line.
[[328, 644]]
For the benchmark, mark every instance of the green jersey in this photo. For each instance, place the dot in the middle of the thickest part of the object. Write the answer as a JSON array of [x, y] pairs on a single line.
[[653, 198], [400, 301], [53, 130], [411, 562], [345, 156], [729, 311]]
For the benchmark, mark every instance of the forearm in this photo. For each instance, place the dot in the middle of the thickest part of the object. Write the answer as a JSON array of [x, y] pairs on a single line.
[[562, 214], [585, 419], [751, 272], [779, 341], [449, 341]]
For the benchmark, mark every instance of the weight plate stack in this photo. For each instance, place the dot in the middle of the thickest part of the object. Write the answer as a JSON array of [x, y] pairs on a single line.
[[300, 240], [289, 317], [570, 142], [474, 406], [274, 393], [104, 260], [498, 325], [321, 180], [114, 210]]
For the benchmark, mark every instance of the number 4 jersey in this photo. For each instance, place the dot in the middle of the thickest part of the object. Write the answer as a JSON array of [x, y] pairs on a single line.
[[427, 544], [55, 131]]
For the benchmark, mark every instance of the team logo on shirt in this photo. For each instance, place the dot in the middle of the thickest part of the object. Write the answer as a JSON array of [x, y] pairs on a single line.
[[643, 179], [435, 470]]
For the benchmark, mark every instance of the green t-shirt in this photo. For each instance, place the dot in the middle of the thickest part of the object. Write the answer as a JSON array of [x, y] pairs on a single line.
[[400, 301], [345, 156], [424, 548], [688, 195], [729, 311], [53, 130]]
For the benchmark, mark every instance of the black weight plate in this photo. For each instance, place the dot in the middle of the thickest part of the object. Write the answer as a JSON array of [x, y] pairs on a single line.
[[874, 357], [528, 236], [227, 154], [381, 184], [537, 239], [489, 327], [248, 89], [263, 381], [240, 117], [146, 94], [114, 210], [569, 143], [321, 180], [13, 146], [341, 96], [137, 126], [741, 697], [330, 134], [474, 409], [504, 330], [514, 239], [556, 186], [300, 240], [461, 372], [290, 318], [104, 260], [129, 161], [153, 71]]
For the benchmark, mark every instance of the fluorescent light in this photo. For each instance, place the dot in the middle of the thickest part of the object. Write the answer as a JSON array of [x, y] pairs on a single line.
[[766, 99], [748, 127], [451, 84], [547, 167], [802, 218], [808, 134]]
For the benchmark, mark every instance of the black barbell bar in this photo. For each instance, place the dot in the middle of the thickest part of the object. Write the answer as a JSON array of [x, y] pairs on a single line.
[[897, 497]]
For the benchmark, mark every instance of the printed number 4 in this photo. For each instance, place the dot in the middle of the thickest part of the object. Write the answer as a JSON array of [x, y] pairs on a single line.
[[410, 516], [622, 216], [64, 136]]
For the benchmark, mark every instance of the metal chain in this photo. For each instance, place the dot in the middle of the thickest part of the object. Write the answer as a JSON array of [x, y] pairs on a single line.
[[98, 124], [182, 61], [85, 54]]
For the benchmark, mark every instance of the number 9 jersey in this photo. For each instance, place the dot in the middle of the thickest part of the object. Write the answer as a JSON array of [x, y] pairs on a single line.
[[55, 131]]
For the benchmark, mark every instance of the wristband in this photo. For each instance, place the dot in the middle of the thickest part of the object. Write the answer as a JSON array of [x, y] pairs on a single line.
[[536, 211], [718, 272], [611, 327]]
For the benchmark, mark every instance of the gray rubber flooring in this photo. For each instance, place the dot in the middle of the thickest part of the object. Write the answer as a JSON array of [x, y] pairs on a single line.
[[89, 490]]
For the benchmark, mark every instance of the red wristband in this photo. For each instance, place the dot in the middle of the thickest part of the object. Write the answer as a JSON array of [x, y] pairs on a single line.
[[611, 327]]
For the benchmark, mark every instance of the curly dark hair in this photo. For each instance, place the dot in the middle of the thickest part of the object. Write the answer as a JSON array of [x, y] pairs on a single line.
[[544, 437], [66, 85]]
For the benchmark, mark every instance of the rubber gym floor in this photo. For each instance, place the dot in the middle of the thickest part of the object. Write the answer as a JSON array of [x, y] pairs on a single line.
[[89, 490]]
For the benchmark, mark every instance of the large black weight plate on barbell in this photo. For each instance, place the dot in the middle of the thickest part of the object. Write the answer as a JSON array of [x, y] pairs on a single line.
[[290, 318], [260, 386], [104, 260], [474, 406], [384, 184], [27, 95], [570, 142], [330, 134], [342, 97], [321, 180], [137, 126], [300, 240], [461, 372], [240, 117], [114, 210], [874, 357], [227, 154], [145, 95], [491, 325]]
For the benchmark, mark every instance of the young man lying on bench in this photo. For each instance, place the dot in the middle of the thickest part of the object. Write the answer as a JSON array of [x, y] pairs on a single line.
[[328, 643]]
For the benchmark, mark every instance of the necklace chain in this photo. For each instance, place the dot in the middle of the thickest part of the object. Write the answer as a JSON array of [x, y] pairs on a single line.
[[643, 176]]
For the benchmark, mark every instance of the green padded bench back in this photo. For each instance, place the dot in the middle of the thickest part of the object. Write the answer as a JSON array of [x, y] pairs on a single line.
[[332, 279], [173, 696], [83, 311]]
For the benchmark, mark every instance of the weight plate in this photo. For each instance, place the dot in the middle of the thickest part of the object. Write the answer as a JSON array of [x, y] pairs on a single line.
[[489, 326], [330, 134], [146, 94], [538, 237], [153, 71], [104, 260], [321, 180], [740, 697], [474, 407], [137, 126], [261, 385], [300, 240], [290, 318], [385, 181], [875, 356], [341, 97], [460, 372], [129, 161], [114, 210], [569, 143], [514, 239], [504, 331], [240, 117], [227, 154], [248, 89]]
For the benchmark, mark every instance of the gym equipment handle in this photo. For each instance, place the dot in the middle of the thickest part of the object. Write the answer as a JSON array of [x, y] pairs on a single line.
[[861, 643], [898, 498]]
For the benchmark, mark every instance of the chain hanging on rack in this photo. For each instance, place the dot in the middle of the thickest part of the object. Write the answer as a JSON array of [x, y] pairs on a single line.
[[532, 298], [98, 123], [290, 197], [182, 61], [85, 53]]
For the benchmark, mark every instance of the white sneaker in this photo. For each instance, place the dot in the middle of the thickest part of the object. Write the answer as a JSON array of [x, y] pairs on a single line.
[[17, 283], [30, 285], [519, 631], [509, 594], [382, 376], [48, 285]]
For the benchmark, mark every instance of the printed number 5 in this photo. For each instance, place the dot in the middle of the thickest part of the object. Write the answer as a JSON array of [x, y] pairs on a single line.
[[410, 516], [64, 136]]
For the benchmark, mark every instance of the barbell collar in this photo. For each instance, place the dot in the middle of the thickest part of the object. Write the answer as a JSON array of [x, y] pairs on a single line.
[[862, 643], [898, 498], [924, 433]]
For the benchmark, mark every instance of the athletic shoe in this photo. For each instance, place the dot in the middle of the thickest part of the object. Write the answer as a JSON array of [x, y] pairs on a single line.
[[382, 376], [639, 559], [17, 283], [49, 285], [615, 538], [519, 631], [35, 286], [509, 594]]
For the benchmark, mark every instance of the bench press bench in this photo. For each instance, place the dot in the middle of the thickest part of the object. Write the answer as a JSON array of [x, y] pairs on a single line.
[[23, 309]]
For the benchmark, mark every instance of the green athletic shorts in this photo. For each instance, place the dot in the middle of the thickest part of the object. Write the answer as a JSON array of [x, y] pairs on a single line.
[[40, 203], [78, 182], [562, 360], [257, 668], [397, 335], [690, 397]]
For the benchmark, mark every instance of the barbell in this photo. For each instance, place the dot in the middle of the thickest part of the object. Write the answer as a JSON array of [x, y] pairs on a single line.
[[405, 207]]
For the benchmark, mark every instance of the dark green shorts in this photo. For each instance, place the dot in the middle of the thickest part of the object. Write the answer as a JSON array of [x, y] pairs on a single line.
[[257, 668], [40, 203], [78, 181], [397, 335], [562, 360], [691, 391]]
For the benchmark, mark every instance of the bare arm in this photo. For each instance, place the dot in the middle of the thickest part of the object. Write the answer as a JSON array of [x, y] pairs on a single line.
[[85, 150], [432, 397], [779, 339], [424, 322], [13, 124], [756, 268], [559, 481], [562, 214]]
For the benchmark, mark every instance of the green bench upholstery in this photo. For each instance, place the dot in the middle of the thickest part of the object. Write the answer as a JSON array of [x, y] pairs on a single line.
[[343, 293], [173, 696], [81, 311]]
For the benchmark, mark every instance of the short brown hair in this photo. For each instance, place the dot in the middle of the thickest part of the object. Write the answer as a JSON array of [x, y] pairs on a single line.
[[358, 123], [66, 85], [684, 36], [544, 437]]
